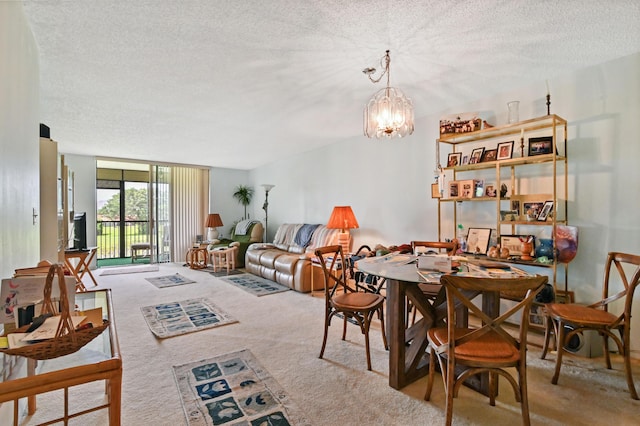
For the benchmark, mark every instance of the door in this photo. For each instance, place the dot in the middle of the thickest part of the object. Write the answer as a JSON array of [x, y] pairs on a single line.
[[160, 213]]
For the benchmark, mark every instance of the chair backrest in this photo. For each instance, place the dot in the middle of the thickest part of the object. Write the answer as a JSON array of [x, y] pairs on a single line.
[[450, 247], [462, 289], [628, 271], [331, 260]]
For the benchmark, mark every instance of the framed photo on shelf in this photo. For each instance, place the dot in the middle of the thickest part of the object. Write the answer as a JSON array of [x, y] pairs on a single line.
[[505, 150], [491, 191], [489, 155], [540, 146], [476, 155], [547, 208], [465, 160], [478, 240], [512, 242], [529, 206], [564, 296], [453, 189], [455, 159], [466, 188]]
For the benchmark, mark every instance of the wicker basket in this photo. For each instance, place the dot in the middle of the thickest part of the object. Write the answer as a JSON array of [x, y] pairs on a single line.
[[67, 339]]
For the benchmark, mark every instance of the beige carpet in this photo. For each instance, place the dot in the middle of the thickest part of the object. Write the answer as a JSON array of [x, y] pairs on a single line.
[[284, 332]]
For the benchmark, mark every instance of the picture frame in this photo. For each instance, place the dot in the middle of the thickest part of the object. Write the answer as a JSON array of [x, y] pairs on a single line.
[[435, 190], [547, 208], [540, 146], [478, 240], [529, 206], [454, 159], [505, 150], [466, 188], [465, 160], [563, 296], [476, 155], [491, 191], [512, 242], [489, 155], [453, 189], [509, 215]]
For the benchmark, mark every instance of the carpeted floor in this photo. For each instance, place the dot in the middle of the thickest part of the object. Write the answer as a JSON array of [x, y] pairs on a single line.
[[284, 332], [129, 269]]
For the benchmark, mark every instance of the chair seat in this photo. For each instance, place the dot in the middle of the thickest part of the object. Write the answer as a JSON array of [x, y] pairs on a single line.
[[580, 314], [357, 301], [488, 348]]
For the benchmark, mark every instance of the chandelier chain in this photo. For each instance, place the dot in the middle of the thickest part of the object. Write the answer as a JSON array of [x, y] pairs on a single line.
[[384, 63]]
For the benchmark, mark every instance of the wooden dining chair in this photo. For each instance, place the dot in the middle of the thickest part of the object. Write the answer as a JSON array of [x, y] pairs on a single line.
[[340, 299], [431, 291], [570, 319], [488, 348]]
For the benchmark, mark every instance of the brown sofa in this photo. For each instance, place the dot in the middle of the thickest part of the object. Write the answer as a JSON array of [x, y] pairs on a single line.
[[287, 262]]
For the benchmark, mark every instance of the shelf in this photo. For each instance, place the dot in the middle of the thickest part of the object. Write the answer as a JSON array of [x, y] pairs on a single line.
[[539, 123], [532, 222], [519, 161]]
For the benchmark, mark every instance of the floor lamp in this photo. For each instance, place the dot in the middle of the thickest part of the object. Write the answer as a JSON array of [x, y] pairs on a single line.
[[342, 218], [267, 187]]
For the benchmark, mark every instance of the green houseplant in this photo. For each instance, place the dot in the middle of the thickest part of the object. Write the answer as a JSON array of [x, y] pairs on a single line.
[[244, 194]]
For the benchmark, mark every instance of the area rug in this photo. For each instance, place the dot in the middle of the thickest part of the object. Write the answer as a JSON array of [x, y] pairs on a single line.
[[169, 280], [115, 270], [224, 273], [255, 285], [235, 389], [175, 318]]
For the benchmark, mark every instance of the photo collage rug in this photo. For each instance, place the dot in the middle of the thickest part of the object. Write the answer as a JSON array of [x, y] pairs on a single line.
[[169, 280], [234, 389], [255, 285], [176, 318]]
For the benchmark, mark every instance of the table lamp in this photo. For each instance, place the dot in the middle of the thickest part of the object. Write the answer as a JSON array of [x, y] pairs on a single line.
[[342, 218], [213, 221]]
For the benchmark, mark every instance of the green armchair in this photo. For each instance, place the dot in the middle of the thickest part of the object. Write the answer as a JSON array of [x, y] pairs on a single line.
[[253, 234]]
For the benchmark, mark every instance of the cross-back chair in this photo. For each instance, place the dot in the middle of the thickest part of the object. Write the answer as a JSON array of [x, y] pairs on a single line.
[[431, 291], [360, 307], [602, 316], [488, 348]]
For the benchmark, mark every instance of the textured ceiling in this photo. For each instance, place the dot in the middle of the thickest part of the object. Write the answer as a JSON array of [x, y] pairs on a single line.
[[240, 83]]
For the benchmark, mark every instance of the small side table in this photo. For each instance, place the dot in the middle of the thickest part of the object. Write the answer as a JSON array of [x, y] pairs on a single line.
[[197, 257], [224, 258], [78, 270]]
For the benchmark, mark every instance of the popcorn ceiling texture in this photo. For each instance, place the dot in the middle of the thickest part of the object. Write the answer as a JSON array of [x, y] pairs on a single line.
[[239, 84]]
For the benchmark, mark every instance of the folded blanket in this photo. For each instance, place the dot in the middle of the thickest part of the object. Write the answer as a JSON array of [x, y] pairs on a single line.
[[243, 226], [303, 237]]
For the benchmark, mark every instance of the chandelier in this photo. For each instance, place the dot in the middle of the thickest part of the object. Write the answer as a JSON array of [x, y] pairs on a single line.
[[389, 113]]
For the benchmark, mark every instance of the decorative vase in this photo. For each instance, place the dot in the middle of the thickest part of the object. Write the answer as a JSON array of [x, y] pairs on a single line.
[[545, 248], [526, 247]]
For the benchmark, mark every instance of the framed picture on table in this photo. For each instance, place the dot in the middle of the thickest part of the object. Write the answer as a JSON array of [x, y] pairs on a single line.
[[478, 240]]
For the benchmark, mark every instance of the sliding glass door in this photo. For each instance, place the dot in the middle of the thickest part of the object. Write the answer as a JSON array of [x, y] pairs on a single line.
[[160, 209]]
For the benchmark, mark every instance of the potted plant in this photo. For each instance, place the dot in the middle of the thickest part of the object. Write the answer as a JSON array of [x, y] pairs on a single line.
[[244, 194]]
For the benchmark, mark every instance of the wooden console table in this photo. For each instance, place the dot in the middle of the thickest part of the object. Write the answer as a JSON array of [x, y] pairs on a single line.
[[82, 267], [74, 369]]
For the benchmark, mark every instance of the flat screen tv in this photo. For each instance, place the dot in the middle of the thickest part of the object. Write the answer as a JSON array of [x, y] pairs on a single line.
[[80, 231]]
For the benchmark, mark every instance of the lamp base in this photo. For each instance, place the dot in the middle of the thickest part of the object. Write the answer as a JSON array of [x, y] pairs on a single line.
[[344, 239], [212, 234]]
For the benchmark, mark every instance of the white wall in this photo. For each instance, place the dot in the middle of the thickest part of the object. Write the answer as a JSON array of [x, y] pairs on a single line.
[[19, 141], [388, 182], [223, 183]]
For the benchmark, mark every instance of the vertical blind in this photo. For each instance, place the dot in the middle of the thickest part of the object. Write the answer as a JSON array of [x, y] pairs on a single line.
[[190, 205]]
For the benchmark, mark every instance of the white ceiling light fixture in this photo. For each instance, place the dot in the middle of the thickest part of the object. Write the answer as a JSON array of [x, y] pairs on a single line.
[[389, 113]]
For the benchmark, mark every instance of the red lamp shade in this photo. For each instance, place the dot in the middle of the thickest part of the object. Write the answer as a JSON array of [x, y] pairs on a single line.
[[213, 221], [342, 218]]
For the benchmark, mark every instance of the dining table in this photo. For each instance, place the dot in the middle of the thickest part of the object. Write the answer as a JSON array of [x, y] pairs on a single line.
[[408, 356]]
